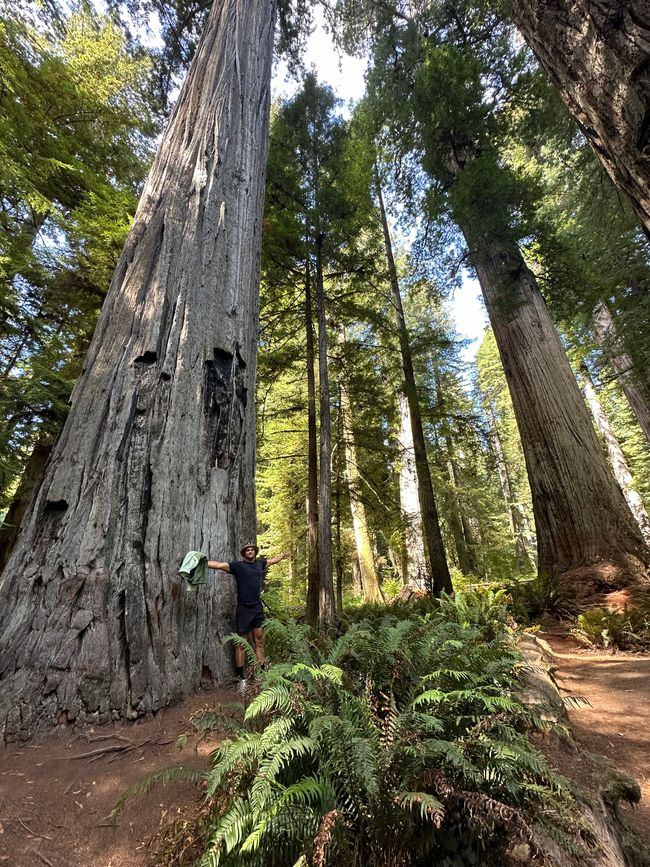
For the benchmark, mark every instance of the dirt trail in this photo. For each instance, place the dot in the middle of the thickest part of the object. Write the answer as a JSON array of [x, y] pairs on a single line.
[[54, 800], [617, 725]]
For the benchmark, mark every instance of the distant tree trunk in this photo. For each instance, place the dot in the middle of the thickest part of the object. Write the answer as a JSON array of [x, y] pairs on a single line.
[[312, 464], [416, 565], [337, 523], [615, 452], [465, 545], [433, 544], [581, 516], [157, 454], [596, 53], [519, 524], [326, 602], [634, 389], [369, 579]]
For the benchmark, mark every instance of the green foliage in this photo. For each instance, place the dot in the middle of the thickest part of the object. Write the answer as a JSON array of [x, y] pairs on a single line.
[[76, 128], [401, 742], [622, 630]]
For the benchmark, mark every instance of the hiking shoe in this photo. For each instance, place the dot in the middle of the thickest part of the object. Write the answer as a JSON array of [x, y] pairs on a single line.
[[242, 686]]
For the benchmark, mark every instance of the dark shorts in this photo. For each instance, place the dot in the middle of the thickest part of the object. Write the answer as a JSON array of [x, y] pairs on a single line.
[[249, 617]]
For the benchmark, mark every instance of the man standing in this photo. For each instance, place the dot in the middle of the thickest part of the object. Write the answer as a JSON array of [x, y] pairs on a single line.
[[248, 573]]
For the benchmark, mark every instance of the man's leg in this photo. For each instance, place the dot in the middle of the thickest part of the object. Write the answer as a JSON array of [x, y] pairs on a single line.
[[258, 643], [240, 654]]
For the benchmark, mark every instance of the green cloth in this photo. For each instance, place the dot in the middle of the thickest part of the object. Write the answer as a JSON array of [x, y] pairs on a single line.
[[195, 568]]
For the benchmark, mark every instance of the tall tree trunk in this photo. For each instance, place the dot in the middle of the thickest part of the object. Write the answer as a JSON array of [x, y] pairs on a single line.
[[157, 454], [616, 457], [596, 53], [369, 579], [337, 522], [434, 547], [463, 537], [581, 516], [416, 565], [635, 391], [326, 602], [519, 524], [312, 463]]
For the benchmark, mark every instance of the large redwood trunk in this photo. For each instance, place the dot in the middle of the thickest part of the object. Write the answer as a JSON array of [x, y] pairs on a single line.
[[581, 516], [596, 53], [157, 455]]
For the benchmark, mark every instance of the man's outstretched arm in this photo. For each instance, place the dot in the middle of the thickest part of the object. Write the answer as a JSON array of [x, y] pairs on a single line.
[[272, 560], [216, 564]]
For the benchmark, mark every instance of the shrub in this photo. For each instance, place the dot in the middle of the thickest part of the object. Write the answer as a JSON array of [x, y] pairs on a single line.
[[402, 743], [627, 630]]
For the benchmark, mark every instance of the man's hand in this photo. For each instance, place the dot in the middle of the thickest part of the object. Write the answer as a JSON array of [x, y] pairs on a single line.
[[272, 560]]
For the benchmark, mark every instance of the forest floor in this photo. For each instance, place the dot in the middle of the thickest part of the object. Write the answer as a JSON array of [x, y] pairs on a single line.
[[55, 798], [617, 722]]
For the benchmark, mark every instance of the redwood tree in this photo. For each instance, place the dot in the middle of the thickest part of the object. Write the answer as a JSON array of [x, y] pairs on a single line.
[[596, 53], [157, 455]]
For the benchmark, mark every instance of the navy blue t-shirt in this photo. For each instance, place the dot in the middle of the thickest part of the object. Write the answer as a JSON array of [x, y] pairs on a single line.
[[249, 580]]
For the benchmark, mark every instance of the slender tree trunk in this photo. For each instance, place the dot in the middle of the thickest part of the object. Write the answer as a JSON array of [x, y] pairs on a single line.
[[465, 545], [596, 53], [326, 602], [312, 463], [416, 566], [434, 547], [519, 525], [337, 521], [616, 457], [581, 516], [369, 579], [634, 390], [157, 454]]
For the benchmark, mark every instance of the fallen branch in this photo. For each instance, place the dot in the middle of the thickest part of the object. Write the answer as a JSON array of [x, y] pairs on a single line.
[[33, 833]]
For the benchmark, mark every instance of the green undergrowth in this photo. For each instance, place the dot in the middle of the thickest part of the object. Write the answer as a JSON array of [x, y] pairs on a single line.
[[403, 742], [614, 630]]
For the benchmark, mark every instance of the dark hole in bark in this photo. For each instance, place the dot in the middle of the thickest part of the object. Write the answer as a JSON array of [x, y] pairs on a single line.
[[56, 505], [165, 376], [206, 675], [217, 399], [148, 357]]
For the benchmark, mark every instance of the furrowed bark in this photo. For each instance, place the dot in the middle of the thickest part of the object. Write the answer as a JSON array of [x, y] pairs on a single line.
[[596, 53], [581, 516], [157, 454]]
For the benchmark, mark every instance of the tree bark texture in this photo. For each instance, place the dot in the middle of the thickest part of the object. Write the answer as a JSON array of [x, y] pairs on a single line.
[[369, 579], [635, 391], [326, 601], [433, 545], [157, 454], [596, 53], [615, 452], [416, 566], [312, 463], [581, 516]]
